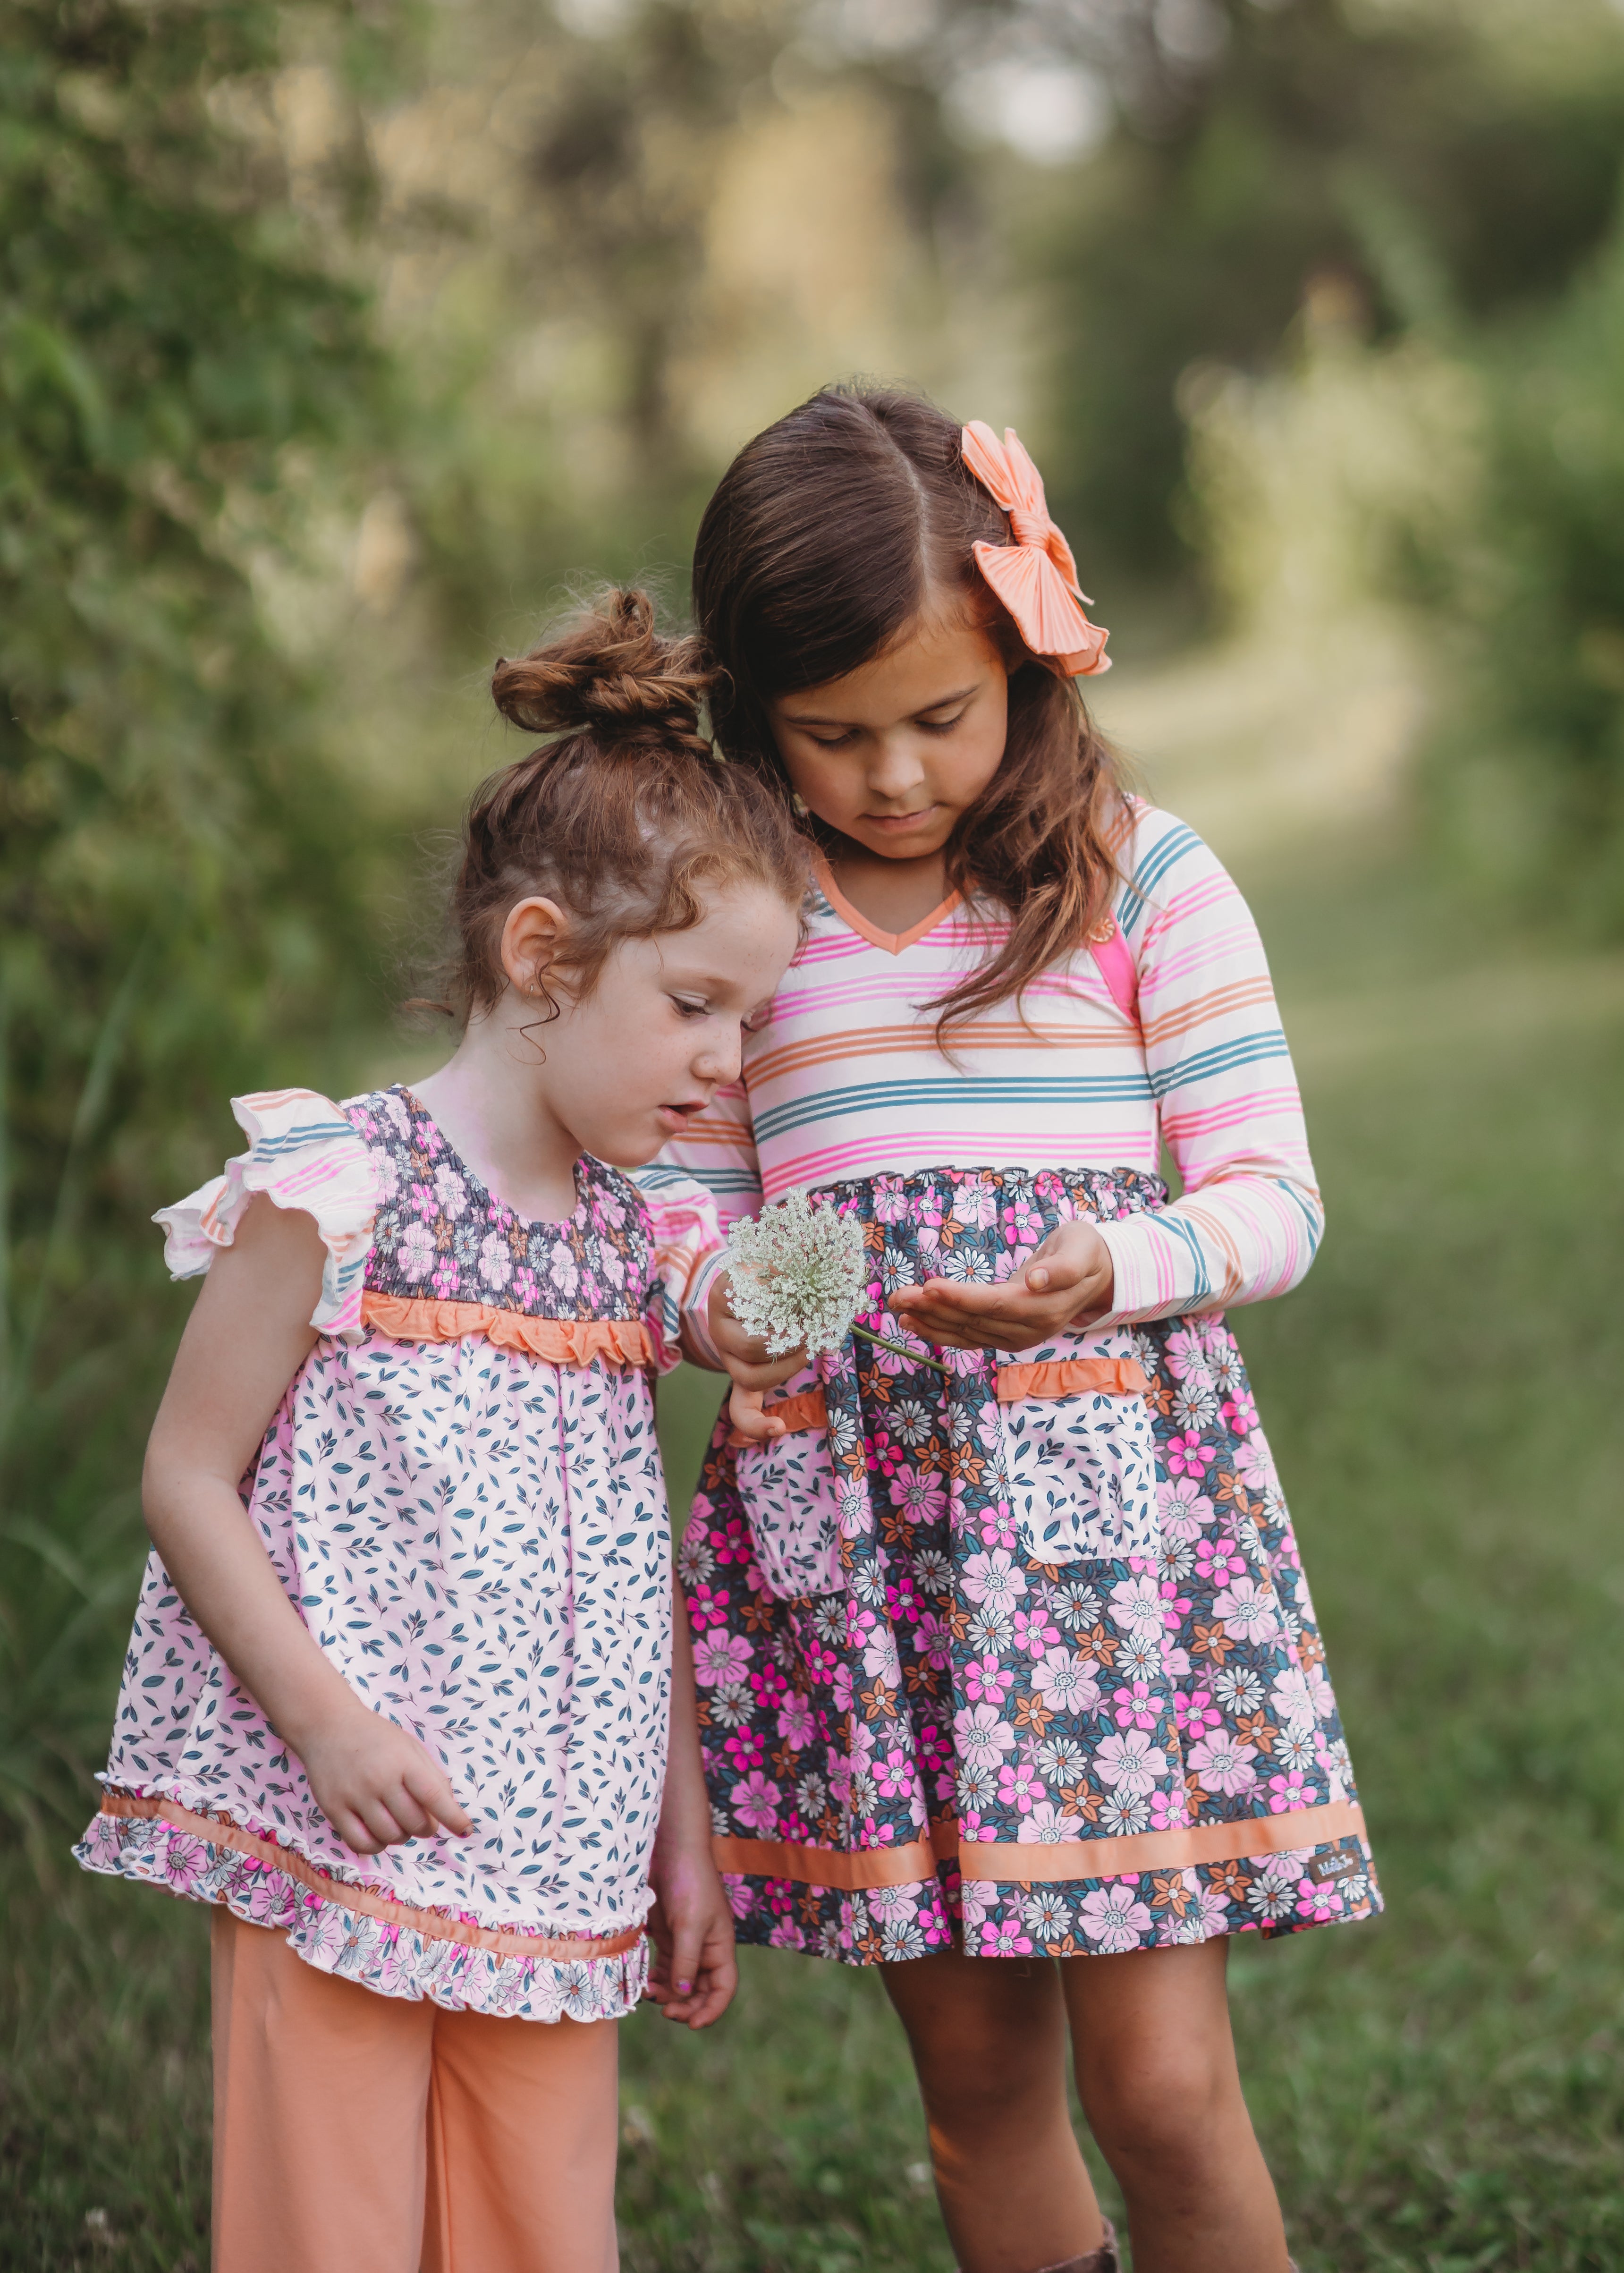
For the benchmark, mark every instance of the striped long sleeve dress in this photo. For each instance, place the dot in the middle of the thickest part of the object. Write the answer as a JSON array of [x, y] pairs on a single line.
[[1022, 1658]]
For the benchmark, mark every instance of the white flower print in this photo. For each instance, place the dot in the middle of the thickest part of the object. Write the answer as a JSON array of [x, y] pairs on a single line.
[[1238, 1689], [1195, 1405], [989, 1631], [1122, 1817], [1060, 1760], [977, 1789], [1295, 1747], [1045, 1915]]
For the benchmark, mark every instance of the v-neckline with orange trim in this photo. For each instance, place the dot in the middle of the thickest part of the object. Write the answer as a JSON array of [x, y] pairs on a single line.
[[893, 942]]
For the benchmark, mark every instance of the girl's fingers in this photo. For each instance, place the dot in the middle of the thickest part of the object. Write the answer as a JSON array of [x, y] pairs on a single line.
[[749, 1420], [430, 1786]]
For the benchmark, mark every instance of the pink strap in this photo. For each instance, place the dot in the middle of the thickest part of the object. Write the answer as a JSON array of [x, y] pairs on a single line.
[[1118, 969]]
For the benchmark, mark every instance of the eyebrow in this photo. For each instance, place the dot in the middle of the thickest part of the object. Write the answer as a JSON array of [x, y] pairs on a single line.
[[942, 702]]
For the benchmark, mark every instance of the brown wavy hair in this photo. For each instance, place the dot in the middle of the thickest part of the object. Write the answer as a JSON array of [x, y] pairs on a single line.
[[625, 817], [828, 537]]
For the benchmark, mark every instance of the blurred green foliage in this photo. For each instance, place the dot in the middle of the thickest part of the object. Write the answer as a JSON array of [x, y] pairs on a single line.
[[183, 882]]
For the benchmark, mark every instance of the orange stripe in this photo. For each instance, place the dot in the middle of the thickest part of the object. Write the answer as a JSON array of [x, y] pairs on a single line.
[[1073, 1859], [807, 1409], [559, 1341], [432, 1924], [1070, 1376], [892, 941]]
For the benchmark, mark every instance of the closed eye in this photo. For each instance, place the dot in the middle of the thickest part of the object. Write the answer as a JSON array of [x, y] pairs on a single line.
[[944, 725]]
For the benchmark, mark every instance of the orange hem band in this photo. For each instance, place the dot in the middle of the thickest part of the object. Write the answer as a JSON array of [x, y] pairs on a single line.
[[432, 1924], [559, 1341], [1067, 1859]]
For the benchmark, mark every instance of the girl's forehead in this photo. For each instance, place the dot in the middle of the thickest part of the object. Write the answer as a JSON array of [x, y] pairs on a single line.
[[938, 656]]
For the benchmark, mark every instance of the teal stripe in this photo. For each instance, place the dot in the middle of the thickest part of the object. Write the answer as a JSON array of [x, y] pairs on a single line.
[[1150, 873], [308, 1132], [1223, 1057]]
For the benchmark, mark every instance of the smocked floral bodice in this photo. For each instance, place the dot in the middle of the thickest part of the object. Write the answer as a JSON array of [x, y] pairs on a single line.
[[439, 1235]]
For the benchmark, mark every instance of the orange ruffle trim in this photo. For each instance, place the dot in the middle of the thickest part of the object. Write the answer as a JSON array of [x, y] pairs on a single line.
[[557, 1341], [1063, 1377]]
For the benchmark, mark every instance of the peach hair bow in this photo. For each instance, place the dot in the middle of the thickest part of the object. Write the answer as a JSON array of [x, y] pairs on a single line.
[[1035, 577]]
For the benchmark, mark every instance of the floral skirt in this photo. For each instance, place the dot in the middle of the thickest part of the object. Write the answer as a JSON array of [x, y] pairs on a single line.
[[1019, 1658]]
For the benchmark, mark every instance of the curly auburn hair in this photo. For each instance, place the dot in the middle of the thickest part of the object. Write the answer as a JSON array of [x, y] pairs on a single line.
[[625, 817], [826, 539]]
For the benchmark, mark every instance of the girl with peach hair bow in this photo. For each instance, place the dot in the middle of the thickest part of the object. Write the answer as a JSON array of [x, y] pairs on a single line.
[[1009, 1681]]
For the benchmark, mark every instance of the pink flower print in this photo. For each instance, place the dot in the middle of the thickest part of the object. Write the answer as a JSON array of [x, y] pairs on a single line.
[[1319, 1904], [1168, 1812], [414, 1255], [720, 1656], [1185, 1509], [1256, 1464], [450, 1191], [1136, 1605], [993, 1578], [610, 1210], [496, 1265], [526, 1287], [1290, 1791], [1248, 1611], [1134, 1708], [1020, 1786], [1067, 1684], [859, 1623], [1175, 1605], [1130, 1763], [1004, 1938], [564, 1273], [820, 1660], [986, 1681], [1187, 1353], [745, 1748], [997, 1526], [1196, 1713], [933, 1640], [921, 1495], [447, 1278], [185, 1859], [1047, 1826], [754, 1803], [613, 1269], [904, 1603], [1223, 1763], [1023, 1226], [1289, 1694], [1188, 1456], [935, 1747], [895, 1774], [984, 1737], [1034, 1633], [1240, 1411], [890, 1200], [841, 1687], [423, 1200], [1114, 1917], [1219, 1561]]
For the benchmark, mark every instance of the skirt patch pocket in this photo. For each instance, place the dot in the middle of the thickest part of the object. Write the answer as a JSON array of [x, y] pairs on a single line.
[[798, 1503], [1080, 1454]]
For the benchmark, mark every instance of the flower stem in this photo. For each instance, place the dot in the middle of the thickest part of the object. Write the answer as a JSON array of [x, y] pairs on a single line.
[[900, 1349]]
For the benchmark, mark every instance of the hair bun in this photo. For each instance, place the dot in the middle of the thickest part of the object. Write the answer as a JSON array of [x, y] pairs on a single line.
[[611, 676]]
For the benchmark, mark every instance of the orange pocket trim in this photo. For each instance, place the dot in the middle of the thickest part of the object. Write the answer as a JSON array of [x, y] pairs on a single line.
[[559, 1341], [1070, 1376], [809, 1409]]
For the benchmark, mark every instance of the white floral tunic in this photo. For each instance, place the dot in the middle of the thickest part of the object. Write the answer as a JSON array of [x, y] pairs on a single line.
[[462, 1493]]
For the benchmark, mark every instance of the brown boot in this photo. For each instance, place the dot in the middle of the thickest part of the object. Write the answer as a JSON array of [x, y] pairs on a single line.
[[1103, 2260]]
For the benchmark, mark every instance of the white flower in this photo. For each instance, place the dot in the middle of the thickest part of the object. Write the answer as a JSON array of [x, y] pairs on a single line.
[[798, 1274]]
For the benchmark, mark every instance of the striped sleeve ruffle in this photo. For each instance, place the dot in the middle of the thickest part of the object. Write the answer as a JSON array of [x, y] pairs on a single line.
[[1249, 1219], [687, 1237], [302, 1153]]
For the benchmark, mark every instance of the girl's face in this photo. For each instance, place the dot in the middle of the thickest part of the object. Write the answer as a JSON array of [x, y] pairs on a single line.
[[627, 1065], [894, 752]]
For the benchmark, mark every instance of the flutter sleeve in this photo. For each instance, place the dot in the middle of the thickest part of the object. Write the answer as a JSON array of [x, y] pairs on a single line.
[[302, 1153], [717, 1151], [1249, 1221], [686, 1235]]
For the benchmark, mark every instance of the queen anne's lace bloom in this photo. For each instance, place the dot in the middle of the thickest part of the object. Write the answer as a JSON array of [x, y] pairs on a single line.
[[799, 1273]]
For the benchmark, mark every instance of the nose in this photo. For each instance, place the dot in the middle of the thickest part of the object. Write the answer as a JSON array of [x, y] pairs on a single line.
[[896, 771], [720, 1057]]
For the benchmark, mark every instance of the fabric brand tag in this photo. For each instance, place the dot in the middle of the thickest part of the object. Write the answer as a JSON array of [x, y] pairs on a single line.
[[1338, 1865]]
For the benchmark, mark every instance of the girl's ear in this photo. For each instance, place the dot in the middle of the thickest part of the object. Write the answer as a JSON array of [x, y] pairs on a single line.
[[532, 938]]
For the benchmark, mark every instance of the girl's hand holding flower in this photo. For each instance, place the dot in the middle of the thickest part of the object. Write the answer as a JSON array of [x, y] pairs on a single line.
[[751, 1367], [1067, 1282]]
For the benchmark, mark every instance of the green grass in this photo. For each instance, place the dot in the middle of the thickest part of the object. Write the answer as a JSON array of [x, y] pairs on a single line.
[[1443, 2090]]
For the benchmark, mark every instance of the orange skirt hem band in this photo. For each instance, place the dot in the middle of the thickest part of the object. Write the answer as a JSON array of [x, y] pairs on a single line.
[[432, 1924], [1065, 1377], [556, 1341], [1071, 1860]]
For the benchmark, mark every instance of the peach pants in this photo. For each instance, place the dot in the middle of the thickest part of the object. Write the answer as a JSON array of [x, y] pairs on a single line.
[[360, 2133]]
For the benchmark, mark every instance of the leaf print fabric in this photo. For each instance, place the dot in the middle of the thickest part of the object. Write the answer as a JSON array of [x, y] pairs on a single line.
[[970, 1745], [478, 1540]]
